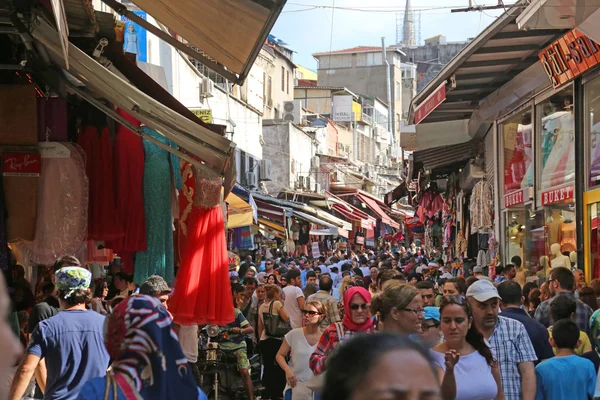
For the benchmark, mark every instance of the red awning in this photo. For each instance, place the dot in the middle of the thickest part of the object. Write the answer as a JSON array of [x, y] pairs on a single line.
[[270, 212], [372, 204], [352, 213]]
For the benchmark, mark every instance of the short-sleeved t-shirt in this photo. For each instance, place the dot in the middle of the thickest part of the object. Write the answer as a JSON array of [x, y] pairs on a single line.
[[72, 343], [291, 294], [40, 312], [235, 341], [570, 377], [584, 346]]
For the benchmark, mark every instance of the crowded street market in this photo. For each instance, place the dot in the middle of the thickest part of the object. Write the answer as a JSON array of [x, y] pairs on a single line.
[[188, 212]]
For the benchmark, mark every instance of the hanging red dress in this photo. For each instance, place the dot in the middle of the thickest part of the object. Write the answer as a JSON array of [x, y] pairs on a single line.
[[202, 292], [129, 193], [103, 223]]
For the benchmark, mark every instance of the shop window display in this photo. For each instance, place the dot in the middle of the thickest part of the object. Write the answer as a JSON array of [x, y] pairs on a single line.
[[518, 152], [557, 139], [592, 107]]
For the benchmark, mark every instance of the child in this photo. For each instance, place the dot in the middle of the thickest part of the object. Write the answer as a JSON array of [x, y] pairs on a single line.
[[566, 376], [563, 307]]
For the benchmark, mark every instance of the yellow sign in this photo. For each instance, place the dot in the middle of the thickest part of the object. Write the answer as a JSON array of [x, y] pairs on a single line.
[[204, 115], [357, 110]]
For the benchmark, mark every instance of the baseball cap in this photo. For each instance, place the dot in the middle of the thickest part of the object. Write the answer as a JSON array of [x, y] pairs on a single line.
[[155, 286], [431, 313], [478, 270], [483, 290]]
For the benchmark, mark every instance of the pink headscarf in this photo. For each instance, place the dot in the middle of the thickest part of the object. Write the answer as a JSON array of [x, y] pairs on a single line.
[[348, 323]]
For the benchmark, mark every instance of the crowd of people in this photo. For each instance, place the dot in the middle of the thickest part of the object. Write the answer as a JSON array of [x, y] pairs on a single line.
[[378, 324]]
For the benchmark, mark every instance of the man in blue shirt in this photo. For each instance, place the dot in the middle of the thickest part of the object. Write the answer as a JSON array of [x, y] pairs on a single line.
[[71, 342], [511, 298], [566, 376]]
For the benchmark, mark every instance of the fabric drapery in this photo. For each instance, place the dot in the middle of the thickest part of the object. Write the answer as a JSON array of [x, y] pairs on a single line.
[[482, 206]]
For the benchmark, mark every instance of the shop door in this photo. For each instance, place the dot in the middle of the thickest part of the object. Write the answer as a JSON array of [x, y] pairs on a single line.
[[591, 225]]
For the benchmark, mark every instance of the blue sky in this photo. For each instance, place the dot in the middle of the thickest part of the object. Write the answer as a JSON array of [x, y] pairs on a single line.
[[308, 32]]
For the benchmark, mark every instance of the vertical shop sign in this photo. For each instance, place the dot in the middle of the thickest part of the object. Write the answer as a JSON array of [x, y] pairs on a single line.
[[316, 252], [559, 195], [21, 164], [430, 103], [568, 57], [134, 38]]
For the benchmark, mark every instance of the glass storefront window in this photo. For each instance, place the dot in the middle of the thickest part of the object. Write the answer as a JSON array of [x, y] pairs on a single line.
[[515, 234], [593, 252], [557, 140], [517, 152], [592, 109]]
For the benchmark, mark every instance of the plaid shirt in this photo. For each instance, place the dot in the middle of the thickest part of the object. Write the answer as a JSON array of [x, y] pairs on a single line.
[[582, 315], [333, 314], [329, 339], [511, 346]]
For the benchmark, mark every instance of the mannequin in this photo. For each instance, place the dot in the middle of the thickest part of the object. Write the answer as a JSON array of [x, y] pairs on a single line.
[[544, 272], [559, 259], [573, 258]]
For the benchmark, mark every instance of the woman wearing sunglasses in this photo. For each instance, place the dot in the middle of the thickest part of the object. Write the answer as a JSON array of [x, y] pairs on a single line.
[[400, 307], [357, 319], [302, 342], [464, 361]]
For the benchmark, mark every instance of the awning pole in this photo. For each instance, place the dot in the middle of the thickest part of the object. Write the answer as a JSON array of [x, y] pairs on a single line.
[[111, 113]]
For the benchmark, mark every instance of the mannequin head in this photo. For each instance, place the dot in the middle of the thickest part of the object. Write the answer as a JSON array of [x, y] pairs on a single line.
[[573, 257], [555, 250], [544, 261]]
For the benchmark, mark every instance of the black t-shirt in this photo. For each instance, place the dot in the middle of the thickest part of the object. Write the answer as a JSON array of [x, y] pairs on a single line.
[[39, 313]]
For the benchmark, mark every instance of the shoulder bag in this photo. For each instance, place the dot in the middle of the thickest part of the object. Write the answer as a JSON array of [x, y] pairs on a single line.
[[275, 326]]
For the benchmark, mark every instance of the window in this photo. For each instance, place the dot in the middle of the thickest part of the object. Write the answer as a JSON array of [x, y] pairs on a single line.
[[283, 79], [592, 109], [269, 91], [369, 59], [517, 152], [398, 91], [265, 87], [219, 80], [287, 74], [336, 61]]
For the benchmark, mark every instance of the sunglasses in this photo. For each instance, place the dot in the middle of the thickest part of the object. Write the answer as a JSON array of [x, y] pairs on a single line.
[[311, 313], [355, 307], [426, 327]]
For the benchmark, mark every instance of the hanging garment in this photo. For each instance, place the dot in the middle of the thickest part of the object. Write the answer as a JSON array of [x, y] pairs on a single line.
[[52, 119], [567, 237], [482, 206], [3, 242], [595, 155], [559, 165], [129, 193], [202, 293], [103, 222], [526, 134], [159, 166], [516, 167], [62, 214]]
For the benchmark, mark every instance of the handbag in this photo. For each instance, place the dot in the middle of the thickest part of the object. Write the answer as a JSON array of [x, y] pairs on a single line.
[[275, 326]]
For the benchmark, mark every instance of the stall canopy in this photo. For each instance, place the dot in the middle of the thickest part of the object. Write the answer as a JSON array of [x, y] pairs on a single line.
[[330, 228], [91, 80], [353, 214], [372, 204], [228, 32], [239, 212]]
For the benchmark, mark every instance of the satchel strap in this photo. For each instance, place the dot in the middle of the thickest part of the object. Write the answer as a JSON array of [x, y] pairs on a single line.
[[340, 330]]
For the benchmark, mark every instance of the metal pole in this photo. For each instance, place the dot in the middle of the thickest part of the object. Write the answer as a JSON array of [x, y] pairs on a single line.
[[389, 89], [580, 173]]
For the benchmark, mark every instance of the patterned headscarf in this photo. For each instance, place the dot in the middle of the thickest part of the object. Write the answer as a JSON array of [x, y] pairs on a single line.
[[146, 352], [70, 279]]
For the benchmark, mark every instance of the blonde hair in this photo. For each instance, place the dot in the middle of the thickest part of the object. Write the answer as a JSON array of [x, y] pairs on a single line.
[[395, 294], [318, 305], [272, 290]]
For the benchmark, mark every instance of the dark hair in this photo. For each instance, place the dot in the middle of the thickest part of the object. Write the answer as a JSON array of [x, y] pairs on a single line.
[[595, 284], [470, 280], [129, 278], [510, 292], [274, 277], [516, 260], [562, 307], [122, 276], [250, 281], [474, 337], [358, 271], [348, 364], [424, 285], [311, 274], [292, 274], [99, 287], [459, 283], [499, 270], [527, 288], [587, 295], [236, 288], [363, 260], [508, 267], [346, 267], [564, 277], [325, 282], [48, 288], [309, 289], [79, 296], [66, 261], [534, 298], [565, 334]]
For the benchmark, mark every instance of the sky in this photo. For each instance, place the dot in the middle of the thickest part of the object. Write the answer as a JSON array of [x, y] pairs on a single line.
[[306, 25]]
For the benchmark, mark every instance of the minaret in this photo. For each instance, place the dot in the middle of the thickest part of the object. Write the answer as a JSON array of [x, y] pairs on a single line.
[[409, 26]]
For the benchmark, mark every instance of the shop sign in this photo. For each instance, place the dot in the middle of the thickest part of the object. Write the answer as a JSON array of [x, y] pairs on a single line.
[[21, 164], [342, 108], [316, 251], [559, 195], [204, 115], [371, 242], [514, 198], [568, 57], [271, 244], [359, 240], [431, 103]]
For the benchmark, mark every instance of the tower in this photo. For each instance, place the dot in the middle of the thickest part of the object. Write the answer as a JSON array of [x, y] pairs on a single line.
[[408, 32]]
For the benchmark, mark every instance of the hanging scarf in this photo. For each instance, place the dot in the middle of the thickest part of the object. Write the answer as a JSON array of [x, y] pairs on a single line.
[[147, 355], [348, 323]]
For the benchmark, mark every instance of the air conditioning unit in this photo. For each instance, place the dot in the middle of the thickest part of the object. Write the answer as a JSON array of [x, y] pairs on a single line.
[[270, 103], [265, 170], [292, 111], [340, 146], [300, 184], [251, 179], [316, 162], [317, 188], [308, 183], [207, 87]]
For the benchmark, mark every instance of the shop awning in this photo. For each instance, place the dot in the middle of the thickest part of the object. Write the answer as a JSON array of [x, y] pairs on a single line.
[[332, 229], [353, 214], [239, 213], [372, 204], [230, 32], [557, 14], [214, 150], [271, 212], [399, 192]]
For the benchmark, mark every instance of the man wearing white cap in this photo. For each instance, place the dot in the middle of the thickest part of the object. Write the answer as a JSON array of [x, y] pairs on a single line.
[[508, 340]]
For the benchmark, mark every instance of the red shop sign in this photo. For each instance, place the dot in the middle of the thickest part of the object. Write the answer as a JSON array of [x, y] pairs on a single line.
[[559, 195], [430, 103], [21, 164], [514, 198]]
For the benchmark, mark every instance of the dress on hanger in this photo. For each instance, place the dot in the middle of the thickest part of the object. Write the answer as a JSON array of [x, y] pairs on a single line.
[[129, 192], [103, 222], [202, 293], [159, 168], [559, 167], [595, 156]]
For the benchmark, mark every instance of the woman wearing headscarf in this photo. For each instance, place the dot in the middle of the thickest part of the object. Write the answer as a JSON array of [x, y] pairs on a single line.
[[148, 362], [357, 319]]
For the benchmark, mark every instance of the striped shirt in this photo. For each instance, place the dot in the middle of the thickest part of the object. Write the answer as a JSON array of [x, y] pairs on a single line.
[[511, 346], [582, 314]]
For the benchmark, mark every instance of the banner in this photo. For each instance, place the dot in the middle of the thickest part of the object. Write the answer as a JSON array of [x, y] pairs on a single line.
[[134, 38]]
